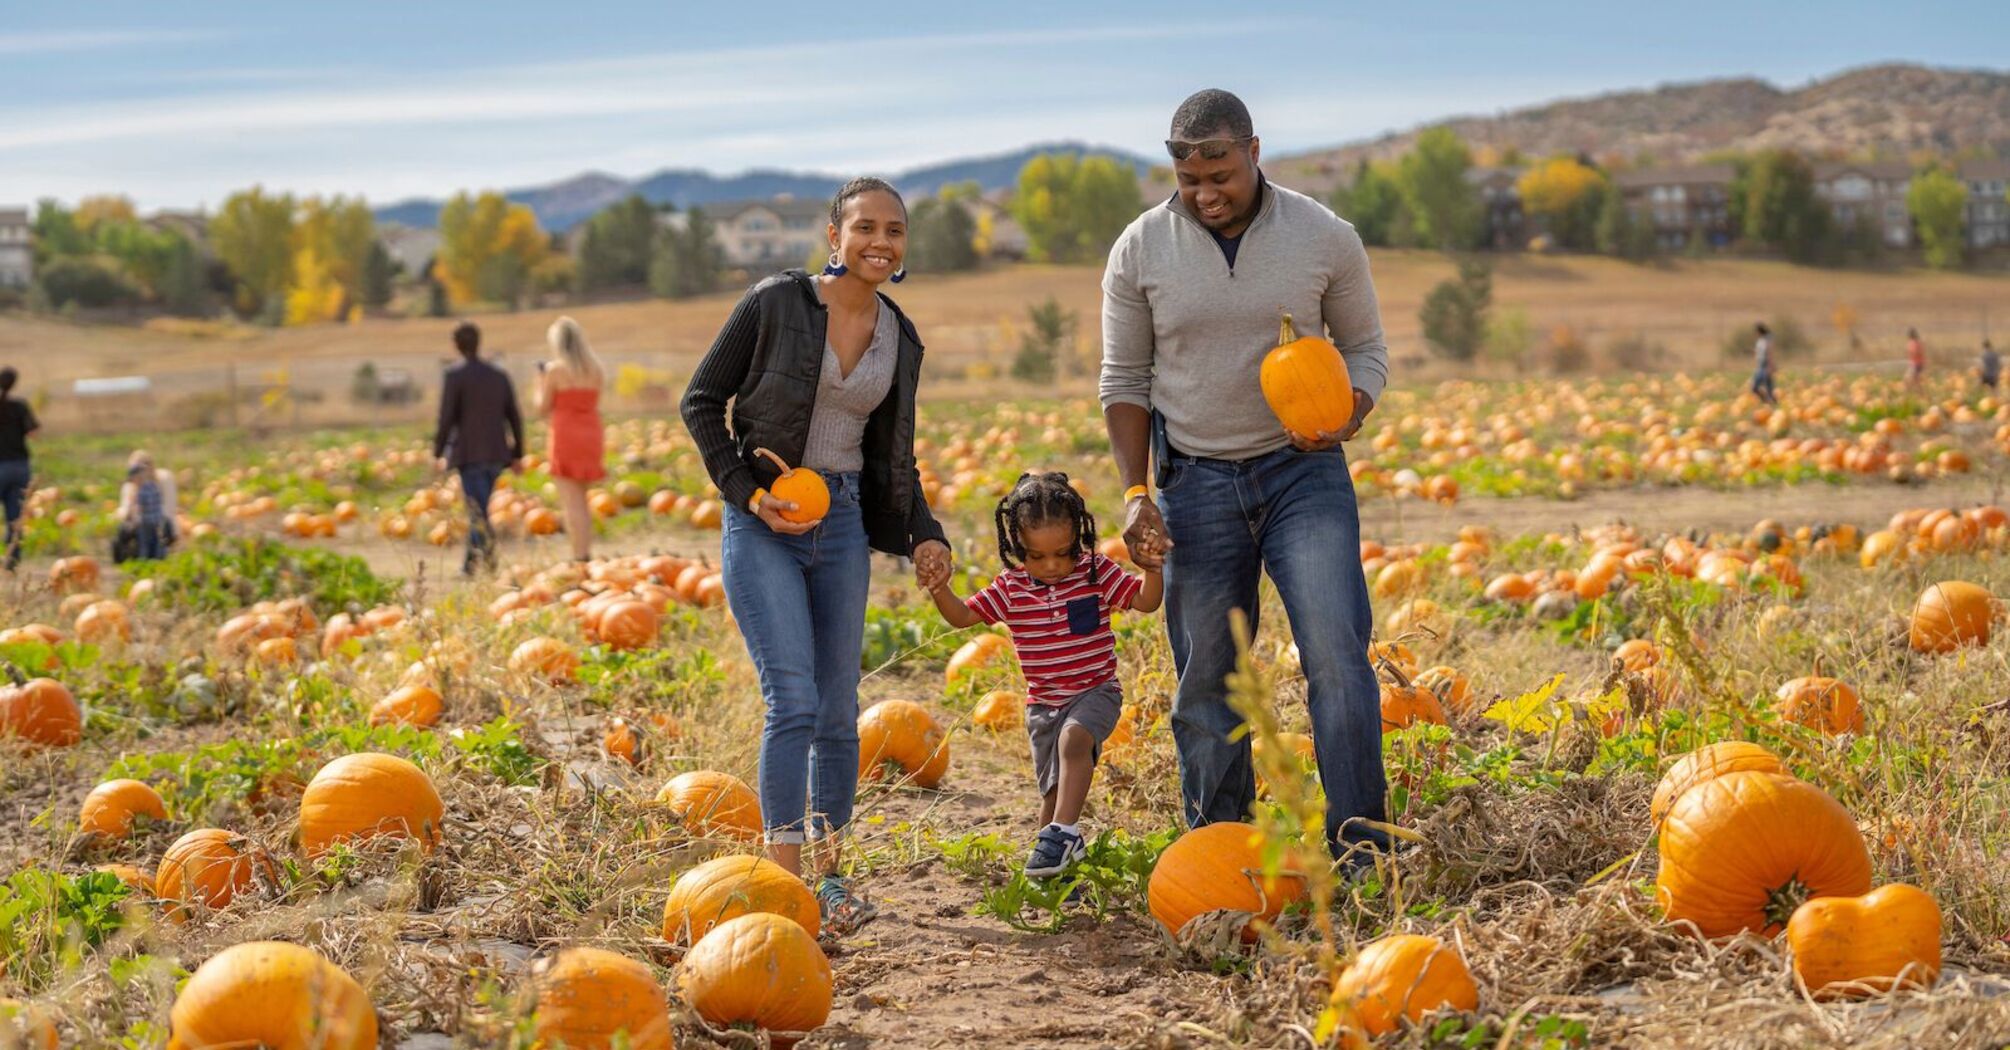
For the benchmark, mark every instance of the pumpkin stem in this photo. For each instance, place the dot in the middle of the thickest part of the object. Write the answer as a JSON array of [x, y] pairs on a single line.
[[777, 461], [1286, 335], [1781, 903]]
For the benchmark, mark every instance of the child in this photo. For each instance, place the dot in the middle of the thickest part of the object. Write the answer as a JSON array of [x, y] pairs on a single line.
[[1055, 595]]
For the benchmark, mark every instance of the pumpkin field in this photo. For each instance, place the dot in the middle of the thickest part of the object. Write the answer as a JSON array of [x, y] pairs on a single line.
[[1696, 720]]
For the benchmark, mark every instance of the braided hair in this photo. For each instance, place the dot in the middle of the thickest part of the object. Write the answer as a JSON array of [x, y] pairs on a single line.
[[1042, 499], [862, 185]]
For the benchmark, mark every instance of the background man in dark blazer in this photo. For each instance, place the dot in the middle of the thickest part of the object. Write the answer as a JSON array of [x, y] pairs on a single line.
[[480, 434]]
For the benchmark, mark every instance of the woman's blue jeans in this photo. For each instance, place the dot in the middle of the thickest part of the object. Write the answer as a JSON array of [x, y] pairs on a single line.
[[800, 602]]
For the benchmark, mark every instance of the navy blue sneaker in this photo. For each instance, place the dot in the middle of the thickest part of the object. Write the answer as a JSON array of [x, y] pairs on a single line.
[[1053, 851]]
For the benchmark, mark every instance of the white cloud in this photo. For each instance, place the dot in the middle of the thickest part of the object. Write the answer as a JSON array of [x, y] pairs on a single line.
[[90, 40]]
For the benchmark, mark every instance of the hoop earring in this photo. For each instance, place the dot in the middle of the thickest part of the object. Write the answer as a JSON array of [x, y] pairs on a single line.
[[899, 275], [835, 267]]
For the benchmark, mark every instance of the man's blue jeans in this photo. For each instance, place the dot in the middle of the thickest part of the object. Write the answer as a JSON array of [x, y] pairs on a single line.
[[1291, 514], [800, 602], [478, 483]]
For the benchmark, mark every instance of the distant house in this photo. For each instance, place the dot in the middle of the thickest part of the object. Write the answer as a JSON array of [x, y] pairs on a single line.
[[1987, 216], [193, 226], [1008, 238], [17, 249], [1506, 226], [1868, 195], [409, 246], [1682, 205], [767, 235]]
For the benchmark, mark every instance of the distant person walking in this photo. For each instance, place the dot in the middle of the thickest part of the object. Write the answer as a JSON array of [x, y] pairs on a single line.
[[480, 434], [147, 507], [1915, 358], [17, 421], [568, 393], [1989, 366], [1762, 365]]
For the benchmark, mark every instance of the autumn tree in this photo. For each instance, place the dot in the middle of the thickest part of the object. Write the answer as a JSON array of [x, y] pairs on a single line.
[[253, 236], [1566, 195], [1936, 201], [1779, 206], [1073, 207], [488, 247]]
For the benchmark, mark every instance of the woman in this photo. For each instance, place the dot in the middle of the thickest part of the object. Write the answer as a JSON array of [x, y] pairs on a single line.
[[1762, 365], [821, 370], [17, 421], [147, 506], [568, 391]]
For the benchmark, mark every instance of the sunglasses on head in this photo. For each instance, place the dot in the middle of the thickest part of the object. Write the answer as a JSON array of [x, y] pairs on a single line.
[[1209, 149]]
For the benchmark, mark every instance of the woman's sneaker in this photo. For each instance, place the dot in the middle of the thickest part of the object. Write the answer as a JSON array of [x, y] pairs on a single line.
[[1053, 851], [841, 910]]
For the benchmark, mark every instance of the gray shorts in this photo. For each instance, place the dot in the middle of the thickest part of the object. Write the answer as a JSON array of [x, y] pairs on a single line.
[[1095, 710]]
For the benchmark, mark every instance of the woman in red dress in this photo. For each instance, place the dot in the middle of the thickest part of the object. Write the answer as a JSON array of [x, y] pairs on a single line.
[[568, 391]]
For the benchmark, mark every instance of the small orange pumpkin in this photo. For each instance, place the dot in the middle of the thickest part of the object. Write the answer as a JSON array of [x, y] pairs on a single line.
[[1217, 867], [276, 994], [109, 809], [1405, 976], [999, 710], [1306, 383], [1845, 946], [412, 705], [593, 999], [726, 888], [41, 711], [546, 658], [1404, 705], [1821, 703], [1949, 615], [761, 969], [804, 488], [208, 868], [364, 795], [627, 624], [708, 802], [902, 733]]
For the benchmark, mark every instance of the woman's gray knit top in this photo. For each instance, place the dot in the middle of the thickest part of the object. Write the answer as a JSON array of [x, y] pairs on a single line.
[[837, 424]]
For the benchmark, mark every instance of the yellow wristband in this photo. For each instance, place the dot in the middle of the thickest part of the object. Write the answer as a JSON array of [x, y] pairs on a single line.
[[1136, 492], [754, 504]]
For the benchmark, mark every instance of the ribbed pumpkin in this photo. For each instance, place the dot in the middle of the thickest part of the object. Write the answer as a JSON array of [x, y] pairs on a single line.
[[26, 1026], [725, 888], [903, 733], [208, 868], [1404, 705], [586, 998], [1306, 383], [627, 624], [109, 809], [1452, 688], [1404, 976], [760, 969], [412, 705], [41, 711], [1850, 946], [1217, 867], [708, 803], [275, 995], [1821, 703], [360, 796], [546, 658], [1000, 710], [1743, 850], [1949, 615], [1706, 763], [804, 488]]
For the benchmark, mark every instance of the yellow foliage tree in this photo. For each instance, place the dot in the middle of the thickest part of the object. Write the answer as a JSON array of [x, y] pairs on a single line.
[[488, 248], [1566, 194], [93, 211], [316, 295]]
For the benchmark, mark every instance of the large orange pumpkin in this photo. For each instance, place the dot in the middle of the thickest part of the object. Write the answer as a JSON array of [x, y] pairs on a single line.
[[1706, 763], [1306, 383], [1743, 850], [360, 796], [109, 809], [627, 624], [1217, 867], [272, 994], [1949, 615], [904, 734], [725, 888], [1821, 703], [1847, 946], [412, 705], [804, 488], [41, 711], [760, 969], [1404, 976], [208, 868], [708, 802], [594, 999]]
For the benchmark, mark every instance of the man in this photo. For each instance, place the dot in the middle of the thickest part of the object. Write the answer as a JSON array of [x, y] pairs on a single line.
[[1762, 365], [480, 434], [1989, 366], [1191, 303]]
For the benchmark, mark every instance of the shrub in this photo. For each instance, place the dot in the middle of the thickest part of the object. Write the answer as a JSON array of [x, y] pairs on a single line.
[[1455, 312]]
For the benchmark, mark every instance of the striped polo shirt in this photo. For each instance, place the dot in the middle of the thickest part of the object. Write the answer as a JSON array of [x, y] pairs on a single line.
[[1061, 631]]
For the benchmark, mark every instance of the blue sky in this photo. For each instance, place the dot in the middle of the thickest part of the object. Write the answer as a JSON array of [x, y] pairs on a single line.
[[175, 105]]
